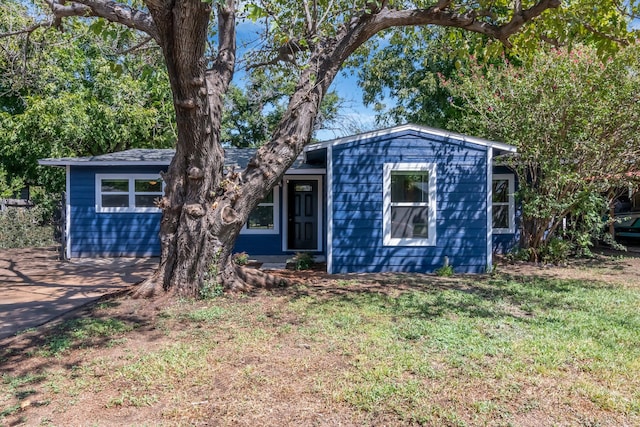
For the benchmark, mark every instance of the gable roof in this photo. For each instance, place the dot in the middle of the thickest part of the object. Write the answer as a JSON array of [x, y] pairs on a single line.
[[424, 130], [239, 157]]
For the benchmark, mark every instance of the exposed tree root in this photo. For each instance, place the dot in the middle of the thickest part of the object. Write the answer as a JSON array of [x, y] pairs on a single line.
[[234, 278], [148, 288], [251, 278]]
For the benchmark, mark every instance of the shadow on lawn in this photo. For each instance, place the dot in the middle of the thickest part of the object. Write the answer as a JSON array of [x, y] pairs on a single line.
[[98, 325], [500, 296], [428, 296]]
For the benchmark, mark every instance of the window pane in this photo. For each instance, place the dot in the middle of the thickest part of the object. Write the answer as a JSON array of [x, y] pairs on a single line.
[[148, 185], [268, 198], [146, 201], [114, 185], [261, 218], [408, 222], [501, 190], [501, 216], [115, 200], [409, 187], [303, 187]]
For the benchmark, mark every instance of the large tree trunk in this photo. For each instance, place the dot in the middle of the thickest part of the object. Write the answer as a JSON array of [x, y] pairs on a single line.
[[203, 208], [197, 223]]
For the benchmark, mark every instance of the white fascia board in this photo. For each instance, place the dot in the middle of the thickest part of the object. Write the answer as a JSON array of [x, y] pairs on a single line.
[[309, 171], [69, 162], [411, 127]]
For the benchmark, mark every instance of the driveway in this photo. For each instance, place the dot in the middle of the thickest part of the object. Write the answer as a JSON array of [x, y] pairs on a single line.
[[36, 287]]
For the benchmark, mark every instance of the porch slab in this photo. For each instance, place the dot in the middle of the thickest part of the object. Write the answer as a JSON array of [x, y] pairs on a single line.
[[273, 266], [279, 262]]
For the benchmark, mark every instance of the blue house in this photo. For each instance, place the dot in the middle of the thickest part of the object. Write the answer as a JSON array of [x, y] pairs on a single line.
[[408, 198]]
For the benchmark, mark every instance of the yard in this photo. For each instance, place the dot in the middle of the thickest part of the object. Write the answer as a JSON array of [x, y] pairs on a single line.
[[526, 346]]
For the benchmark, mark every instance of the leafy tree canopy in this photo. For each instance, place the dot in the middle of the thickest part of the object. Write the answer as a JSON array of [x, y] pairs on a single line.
[[99, 87], [252, 113], [72, 94], [574, 120], [401, 76]]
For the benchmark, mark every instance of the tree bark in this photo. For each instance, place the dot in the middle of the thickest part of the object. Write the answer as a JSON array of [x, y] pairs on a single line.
[[197, 219]]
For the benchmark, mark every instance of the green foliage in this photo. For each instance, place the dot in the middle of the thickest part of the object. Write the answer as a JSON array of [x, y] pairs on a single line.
[[555, 251], [208, 314], [23, 228], [409, 74], [252, 114], [210, 290], [241, 258], [303, 261], [9, 188], [81, 332], [521, 254], [567, 113], [73, 94], [29, 227], [444, 271], [211, 286], [48, 205], [402, 79]]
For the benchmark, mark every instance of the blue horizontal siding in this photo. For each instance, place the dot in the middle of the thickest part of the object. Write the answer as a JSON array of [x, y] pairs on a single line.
[[461, 210], [367, 264], [505, 243], [259, 244], [361, 179], [135, 234], [109, 234]]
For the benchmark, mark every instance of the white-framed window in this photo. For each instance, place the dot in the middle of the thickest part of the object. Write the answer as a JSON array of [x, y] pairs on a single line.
[[264, 218], [128, 192], [409, 204], [504, 204]]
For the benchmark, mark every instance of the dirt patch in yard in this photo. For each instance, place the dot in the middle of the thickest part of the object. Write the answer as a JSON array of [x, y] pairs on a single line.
[[607, 266], [272, 358]]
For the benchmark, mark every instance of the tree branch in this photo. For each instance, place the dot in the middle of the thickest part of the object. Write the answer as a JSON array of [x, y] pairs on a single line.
[[29, 30], [136, 47], [325, 14], [599, 33], [367, 25], [441, 5], [307, 16], [520, 17], [110, 10], [225, 62]]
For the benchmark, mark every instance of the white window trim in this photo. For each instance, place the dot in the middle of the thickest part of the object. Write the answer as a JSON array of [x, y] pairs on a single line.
[[386, 222], [132, 177], [276, 217], [512, 203]]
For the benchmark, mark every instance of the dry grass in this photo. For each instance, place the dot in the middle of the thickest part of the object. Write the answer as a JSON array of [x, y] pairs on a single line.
[[530, 348]]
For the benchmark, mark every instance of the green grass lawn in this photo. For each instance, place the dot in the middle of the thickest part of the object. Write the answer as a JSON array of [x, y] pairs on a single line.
[[397, 350]]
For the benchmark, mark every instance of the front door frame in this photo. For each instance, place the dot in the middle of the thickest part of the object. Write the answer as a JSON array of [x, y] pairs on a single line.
[[285, 210]]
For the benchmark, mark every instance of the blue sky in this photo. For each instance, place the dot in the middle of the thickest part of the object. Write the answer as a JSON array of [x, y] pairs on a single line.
[[353, 112]]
